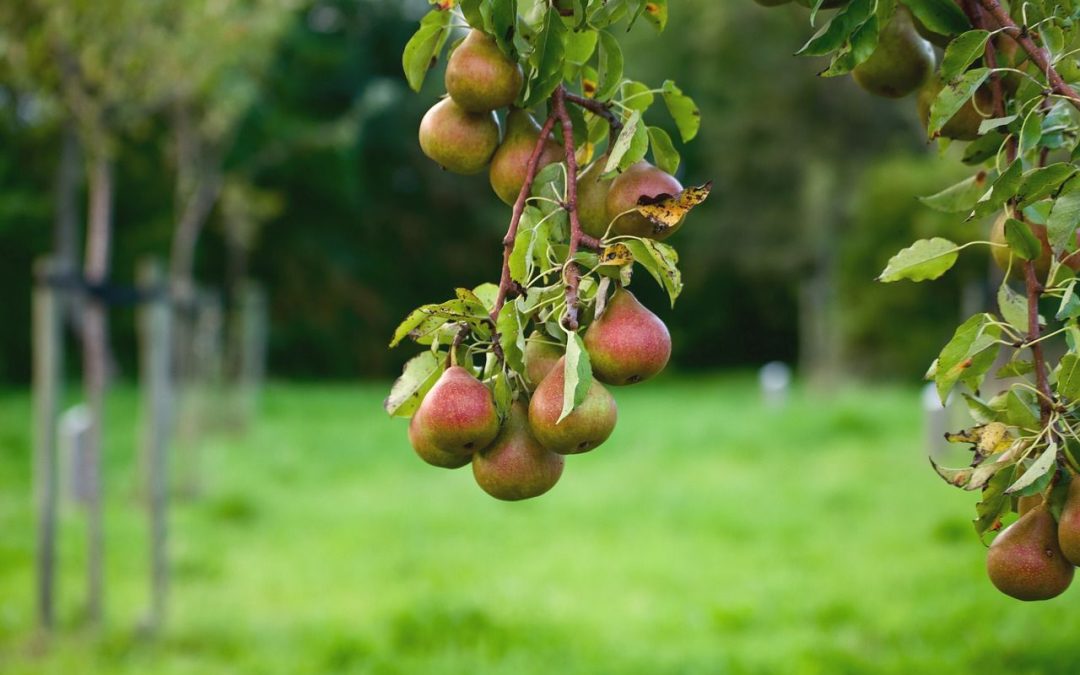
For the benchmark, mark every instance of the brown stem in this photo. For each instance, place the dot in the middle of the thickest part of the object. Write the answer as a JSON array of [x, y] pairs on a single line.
[[601, 109], [571, 273], [506, 283], [979, 19], [1042, 381], [1038, 56]]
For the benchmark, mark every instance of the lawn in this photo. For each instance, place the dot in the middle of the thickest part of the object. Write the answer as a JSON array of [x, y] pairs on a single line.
[[709, 535]]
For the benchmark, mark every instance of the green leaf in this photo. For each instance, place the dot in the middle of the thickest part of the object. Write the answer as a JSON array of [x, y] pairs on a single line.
[[470, 9], [664, 153], [943, 17], [1070, 304], [424, 46], [1020, 412], [994, 502], [968, 355], [996, 123], [1038, 469], [983, 148], [923, 260], [637, 96], [656, 13], [1065, 217], [833, 36], [952, 98], [859, 47], [683, 110], [546, 59], [1043, 182], [509, 327], [1031, 132], [1022, 241], [630, 146], [1068, 378], [962, 52], [609, 66], [419, 375], [1013, 307], [577, 371], [959, 198], [659, 260], [1004, 189], [500, 17]]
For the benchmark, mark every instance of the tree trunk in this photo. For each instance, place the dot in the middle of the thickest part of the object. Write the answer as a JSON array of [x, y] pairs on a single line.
[[67, 220], [95, 370], [819, 337]]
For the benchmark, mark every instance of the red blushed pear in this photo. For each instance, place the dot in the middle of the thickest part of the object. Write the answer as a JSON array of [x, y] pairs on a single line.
[[479, 77], [586, 427], [627, 343], [426, 451], [457, 417], [510, 164], [1069, 524], [516, 466], [458, 140], [1025, 561]]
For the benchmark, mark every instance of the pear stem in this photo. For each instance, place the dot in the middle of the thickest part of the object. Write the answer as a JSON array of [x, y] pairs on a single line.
[[1038, 55], [571, 273]]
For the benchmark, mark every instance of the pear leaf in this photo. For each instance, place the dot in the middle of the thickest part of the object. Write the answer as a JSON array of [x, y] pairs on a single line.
[[546, 59], [833, 35], [959, 198], [962, 52], [923, 260], [616, 254], [629, 147], [1065, 217], [952, 98], [1068, 379], [419, 375], [943, 17], [609, 66], [424, 46], [1038, 469], [1043, 182], [577, 371], [666, 211], [664, 153], [1013, 307], [968, 355], [682, 109]]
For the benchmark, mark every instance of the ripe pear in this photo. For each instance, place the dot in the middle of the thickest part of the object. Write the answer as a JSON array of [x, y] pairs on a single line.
[[516, 466], [1069, 524], [639, 180], [460, 141], [627, 343], [541, 355], [964, 125], [429, 453], [586, 427], [1025, 561], [479, 77], [902, 61], [457, 416], [511, 160], [1025, 504], [592, 193]]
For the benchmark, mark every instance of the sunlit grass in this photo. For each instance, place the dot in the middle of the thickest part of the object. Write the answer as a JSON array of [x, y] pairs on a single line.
[[708, 535]]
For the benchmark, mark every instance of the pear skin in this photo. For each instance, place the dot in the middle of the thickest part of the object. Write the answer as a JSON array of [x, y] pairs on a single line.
[[1025, 561], [511, 161], [479, 77], [585, 428], [627, 343], [516, 466], [592, 193], [902, 61], [457, 140], [426, 451], [639, 180], [1069, 524], [541, 355], [457, 416]]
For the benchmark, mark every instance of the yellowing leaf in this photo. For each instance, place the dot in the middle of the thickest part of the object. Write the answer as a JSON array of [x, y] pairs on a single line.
[[667, 211], [616, 254]]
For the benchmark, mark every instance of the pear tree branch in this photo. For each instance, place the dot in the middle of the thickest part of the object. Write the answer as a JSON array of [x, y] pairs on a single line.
[[1057, 83], [571, 272]]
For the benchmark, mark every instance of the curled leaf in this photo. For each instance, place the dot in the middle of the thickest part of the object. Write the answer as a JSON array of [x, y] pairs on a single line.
[[667, 211]]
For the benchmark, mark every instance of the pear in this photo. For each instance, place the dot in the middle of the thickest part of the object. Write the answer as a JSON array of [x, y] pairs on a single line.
[[1025, 504], [541, 355], [1025, 561], [902, 61], [459, 141], [627, 343], [586, 427], [1069, 524], [429, 453], [511, 160], [457, 416], [964, 125], [516, 466], [639, 180], [479, 77], [592, 193]]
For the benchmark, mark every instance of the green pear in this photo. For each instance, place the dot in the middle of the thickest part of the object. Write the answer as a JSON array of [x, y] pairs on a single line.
[[964, 125], [426, 451], [1025, 561], [457, 416], [1069, 524], [627, 343], [902, 61], [541, 355], [459, 141], [586, 427], [479, 77], [592, 193], [638, 181], [511, 160], [516, 466]]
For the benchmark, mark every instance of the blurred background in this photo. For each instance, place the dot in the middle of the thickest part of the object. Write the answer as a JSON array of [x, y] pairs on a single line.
[[264, 153]]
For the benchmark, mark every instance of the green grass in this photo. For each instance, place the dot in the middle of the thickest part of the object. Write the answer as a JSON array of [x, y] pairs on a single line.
[[709, 535]]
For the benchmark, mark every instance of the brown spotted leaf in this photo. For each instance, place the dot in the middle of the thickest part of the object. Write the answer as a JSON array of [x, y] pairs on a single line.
[[616, 254], [666, 211]]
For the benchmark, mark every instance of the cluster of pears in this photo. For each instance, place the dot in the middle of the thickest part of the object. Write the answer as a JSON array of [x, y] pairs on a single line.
[[522, 456], [1035, 557], [462, 134]]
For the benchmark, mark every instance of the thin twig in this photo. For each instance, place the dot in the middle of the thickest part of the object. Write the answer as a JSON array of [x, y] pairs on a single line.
[[1042, 380], [571, 272]]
